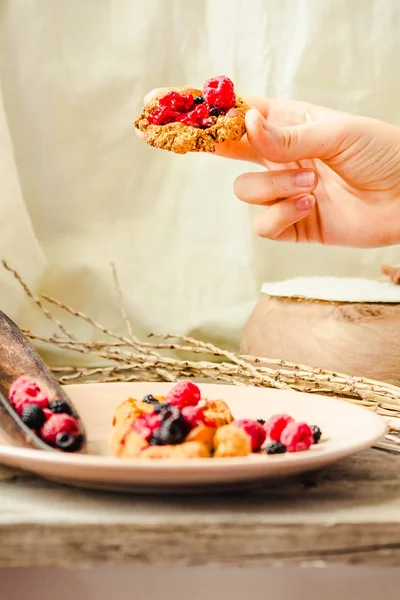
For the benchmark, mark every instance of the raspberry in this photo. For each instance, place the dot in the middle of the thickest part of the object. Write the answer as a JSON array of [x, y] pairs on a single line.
[[275, 425], [25, 391], [220, 91], [61, 423], [198, 117], [184, 393], [60, 406], [146, 424], [47, 413], [254, 430], [195, 415], [316, 433], [297, 437], [177, 102], [170, 108], [163, 116], [275, 448], [33, 416]]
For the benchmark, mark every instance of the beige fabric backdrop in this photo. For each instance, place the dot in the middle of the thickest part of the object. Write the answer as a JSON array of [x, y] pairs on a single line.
[[78, 190]]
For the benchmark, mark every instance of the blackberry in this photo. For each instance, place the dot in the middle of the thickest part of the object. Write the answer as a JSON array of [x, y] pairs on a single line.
[[215, 111], [170, 432], [60, 406], [316, 433], [167, 411], [150, 399], [261, 421], [33, 416], [275, 448], [198, 99], [68, 443], [174, 427]]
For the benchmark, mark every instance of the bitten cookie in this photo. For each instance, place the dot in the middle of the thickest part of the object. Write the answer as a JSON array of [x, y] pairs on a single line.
[[190, 120]]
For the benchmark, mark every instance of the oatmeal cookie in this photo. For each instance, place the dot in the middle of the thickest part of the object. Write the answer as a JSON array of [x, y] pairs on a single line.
[[189, 120]]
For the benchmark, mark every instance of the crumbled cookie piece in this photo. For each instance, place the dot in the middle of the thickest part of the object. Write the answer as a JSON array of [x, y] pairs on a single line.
[[202, 433], [126, 411], [217, 411], [125, 441], [125, 415], [185, 450], [174, 123], [134, 444], [229, 440], [393, 272]]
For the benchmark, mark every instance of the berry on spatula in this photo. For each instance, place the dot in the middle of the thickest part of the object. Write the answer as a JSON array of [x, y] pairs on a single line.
[[33, 416], [25, 391], [58, 423], [68, 442], [60, 406]]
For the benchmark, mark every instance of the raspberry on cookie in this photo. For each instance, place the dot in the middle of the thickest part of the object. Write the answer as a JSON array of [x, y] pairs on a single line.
[[190, 120]]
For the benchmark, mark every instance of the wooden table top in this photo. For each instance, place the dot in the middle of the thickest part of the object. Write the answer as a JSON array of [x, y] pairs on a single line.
[[348, 513]]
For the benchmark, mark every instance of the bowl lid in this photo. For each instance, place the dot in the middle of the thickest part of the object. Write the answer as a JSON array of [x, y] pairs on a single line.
[[335, 289]]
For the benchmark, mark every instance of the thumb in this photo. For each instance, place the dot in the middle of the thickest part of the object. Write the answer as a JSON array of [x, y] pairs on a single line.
[[321, 139]]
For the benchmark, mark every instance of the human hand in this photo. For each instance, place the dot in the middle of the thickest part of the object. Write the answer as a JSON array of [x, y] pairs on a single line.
[[352, 197]]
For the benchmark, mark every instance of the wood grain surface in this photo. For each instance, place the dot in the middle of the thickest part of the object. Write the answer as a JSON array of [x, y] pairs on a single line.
[[349, 514]]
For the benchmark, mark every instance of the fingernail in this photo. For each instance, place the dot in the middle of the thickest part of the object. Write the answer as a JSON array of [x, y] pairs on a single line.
[[304, 178], [305, 203]]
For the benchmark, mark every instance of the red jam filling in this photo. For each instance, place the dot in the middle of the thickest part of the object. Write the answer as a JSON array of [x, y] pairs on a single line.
[[200, 111]]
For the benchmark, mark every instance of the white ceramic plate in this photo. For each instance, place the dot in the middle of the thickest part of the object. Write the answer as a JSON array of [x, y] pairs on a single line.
[[347, 429]]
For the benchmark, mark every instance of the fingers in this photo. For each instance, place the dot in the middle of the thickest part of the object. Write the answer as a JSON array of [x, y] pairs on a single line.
[[319, 139], [276, 222], [287, 195], [262, 188]]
